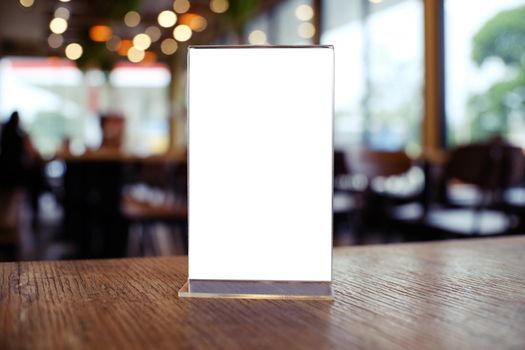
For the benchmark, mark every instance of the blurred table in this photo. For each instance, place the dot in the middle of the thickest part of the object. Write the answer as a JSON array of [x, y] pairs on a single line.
[[447, 295]]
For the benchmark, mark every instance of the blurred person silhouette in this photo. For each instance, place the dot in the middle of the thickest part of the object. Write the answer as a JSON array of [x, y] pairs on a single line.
[[20, 163]]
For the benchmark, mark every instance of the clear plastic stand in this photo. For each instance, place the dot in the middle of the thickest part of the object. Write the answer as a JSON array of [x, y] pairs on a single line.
[[256, 290], [260, 160]]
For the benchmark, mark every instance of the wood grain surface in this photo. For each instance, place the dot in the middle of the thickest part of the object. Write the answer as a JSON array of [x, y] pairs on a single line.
[[466, 294]]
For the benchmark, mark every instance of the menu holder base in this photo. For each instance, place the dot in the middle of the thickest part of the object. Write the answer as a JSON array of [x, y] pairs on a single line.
[[284, 290]]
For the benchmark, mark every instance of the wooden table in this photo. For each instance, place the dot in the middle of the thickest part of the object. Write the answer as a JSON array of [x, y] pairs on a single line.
[[466, 294]]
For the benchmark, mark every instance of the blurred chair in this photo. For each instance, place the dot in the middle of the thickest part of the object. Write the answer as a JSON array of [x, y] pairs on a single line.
[[375, 163], [10, 210], [92, 216], [344, 201], [377, 180], [156, 200], [469, 196], [144, 219]]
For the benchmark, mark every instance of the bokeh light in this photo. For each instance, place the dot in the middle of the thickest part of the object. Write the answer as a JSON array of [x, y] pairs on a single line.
[[304, 12], [219, 6], [167, 19], [196, 22], [58, 25], [306, 30], [154, 33], [141, 41], [132, 19], [182, 32], [257, 37], [113, 44], [168, 46], [55, 40], [62, 12], [150, 57], [135, 55], [27, 3], [124, 47], [100, 33], [74, 51], [181, 6]]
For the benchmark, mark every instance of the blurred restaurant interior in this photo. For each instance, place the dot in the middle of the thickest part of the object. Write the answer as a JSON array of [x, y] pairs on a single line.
[[429, 118]]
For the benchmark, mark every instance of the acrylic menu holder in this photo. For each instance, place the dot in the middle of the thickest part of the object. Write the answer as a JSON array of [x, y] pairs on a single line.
[[260, 121]]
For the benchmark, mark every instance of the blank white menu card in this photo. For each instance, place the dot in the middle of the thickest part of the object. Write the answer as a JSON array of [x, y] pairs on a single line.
[[260, 150]]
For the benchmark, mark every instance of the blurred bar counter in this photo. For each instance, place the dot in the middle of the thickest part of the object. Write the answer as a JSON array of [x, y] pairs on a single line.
[[99, 198], [176, 155]]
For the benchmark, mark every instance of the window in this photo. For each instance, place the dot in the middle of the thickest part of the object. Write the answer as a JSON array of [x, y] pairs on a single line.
[[288, 23], [379, 71], [485, 70], [59, 102]]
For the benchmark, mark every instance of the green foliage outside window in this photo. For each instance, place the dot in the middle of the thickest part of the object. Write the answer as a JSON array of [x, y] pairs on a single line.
[[503, 38]]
